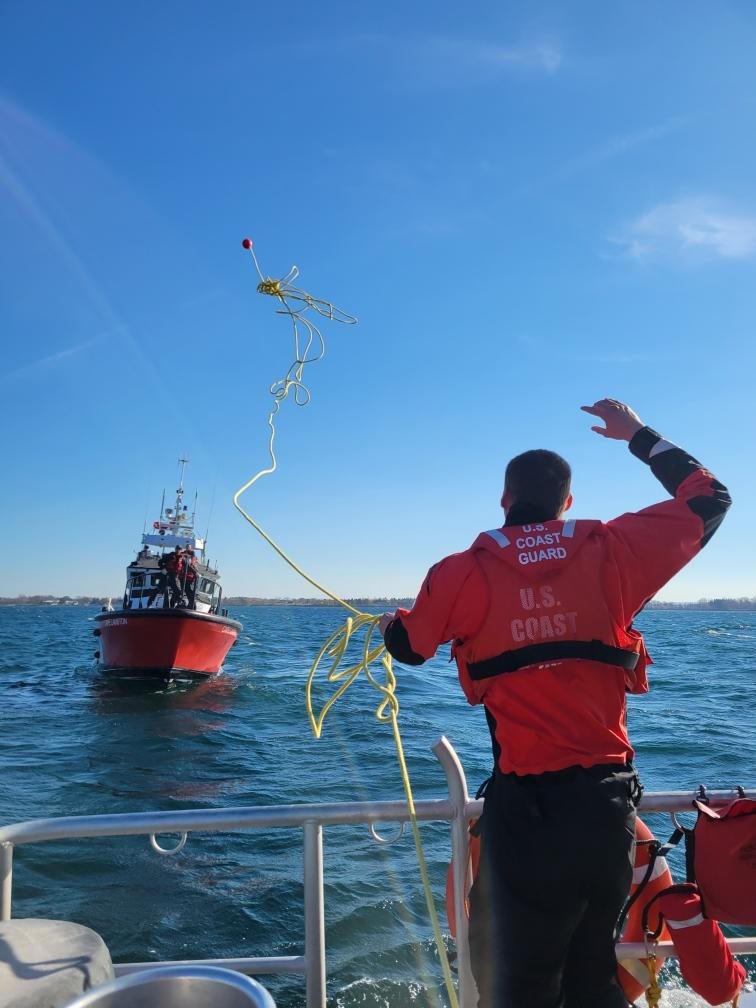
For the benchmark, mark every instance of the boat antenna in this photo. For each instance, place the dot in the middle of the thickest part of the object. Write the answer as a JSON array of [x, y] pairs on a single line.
[[146, 508], [162, 516], [179, 494], [182, 463], [209, 516]]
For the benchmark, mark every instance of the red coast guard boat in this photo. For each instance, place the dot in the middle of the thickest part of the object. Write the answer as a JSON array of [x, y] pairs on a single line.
[[171, 624]]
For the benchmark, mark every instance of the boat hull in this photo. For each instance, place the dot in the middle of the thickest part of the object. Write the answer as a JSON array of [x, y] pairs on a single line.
[[173, 643]]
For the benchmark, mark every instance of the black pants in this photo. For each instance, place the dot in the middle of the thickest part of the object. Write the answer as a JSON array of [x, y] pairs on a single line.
[[556, 866]]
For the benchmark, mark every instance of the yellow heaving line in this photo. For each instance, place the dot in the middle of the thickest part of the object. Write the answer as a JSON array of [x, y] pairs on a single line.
[[309, 347]]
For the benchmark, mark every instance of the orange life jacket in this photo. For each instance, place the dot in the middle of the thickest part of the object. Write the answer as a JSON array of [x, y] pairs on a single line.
[[546, 603], [721, 859], [174, 563]]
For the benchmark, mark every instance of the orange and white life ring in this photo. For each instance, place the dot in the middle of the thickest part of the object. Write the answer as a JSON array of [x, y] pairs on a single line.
[[473, 863], [632, 974]]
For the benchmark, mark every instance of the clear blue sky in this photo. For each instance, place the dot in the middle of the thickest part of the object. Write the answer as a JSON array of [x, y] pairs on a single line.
[[529, 207]]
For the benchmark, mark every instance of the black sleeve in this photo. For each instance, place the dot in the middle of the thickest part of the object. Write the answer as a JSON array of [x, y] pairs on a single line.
[[397, 644], [672, 466]]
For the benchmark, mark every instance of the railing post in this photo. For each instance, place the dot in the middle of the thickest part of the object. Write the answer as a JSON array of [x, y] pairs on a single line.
[[457, 785], [6, 880], [314, 911]]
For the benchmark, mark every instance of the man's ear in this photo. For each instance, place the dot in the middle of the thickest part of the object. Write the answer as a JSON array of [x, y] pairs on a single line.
[[567, 503], [506, 500]]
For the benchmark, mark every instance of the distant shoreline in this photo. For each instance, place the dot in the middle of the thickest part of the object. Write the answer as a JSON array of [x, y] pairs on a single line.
[[712, 605], [235, 600]]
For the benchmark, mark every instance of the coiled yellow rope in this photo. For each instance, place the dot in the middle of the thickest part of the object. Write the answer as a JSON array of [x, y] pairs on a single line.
[[335, 647]]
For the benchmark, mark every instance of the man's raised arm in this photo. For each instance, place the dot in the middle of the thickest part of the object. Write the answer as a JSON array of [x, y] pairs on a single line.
[[662, 538]]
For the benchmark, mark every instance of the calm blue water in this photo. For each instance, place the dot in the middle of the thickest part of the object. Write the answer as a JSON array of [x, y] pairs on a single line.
[[73, 743]]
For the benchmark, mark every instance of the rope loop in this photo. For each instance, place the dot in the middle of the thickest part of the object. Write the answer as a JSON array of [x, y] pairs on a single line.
[[334, 650]]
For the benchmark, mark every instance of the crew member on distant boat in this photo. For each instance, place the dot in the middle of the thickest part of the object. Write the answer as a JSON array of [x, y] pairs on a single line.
[[173, 563], [190, 577], [540, 615], [171, 566]]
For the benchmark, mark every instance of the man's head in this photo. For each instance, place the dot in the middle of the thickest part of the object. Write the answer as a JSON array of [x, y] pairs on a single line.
[[537, 486]]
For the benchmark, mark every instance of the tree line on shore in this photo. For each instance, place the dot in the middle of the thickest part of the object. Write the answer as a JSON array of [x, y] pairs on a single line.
[[715, 603], [54, 600], [234, 600], [358, 603]]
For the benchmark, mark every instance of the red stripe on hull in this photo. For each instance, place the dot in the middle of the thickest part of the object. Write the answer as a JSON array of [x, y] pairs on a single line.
[[164, 641]]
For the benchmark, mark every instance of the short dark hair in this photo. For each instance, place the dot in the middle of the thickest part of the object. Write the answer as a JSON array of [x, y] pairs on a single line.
[[538, 482]]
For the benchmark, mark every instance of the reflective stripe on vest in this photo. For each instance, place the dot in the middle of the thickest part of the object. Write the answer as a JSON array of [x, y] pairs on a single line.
[[690, 922]]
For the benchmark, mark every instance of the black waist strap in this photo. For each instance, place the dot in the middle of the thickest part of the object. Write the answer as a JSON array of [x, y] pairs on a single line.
[[537, 654]]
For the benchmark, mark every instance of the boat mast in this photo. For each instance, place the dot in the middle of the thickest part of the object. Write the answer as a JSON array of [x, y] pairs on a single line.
[[178, 523], [162, 509], [207, 530]]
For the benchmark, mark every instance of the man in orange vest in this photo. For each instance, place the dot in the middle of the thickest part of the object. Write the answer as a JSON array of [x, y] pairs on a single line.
[[539, 613], [190, 577], [174, 569]]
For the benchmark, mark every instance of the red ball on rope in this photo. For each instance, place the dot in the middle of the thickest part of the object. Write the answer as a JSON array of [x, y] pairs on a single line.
[[247, 243]]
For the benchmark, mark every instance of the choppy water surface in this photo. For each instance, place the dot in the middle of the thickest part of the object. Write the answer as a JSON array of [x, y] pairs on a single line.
[[73, 743]]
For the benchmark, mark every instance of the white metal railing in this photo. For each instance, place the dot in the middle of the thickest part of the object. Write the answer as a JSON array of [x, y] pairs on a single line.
[[457, 809]]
